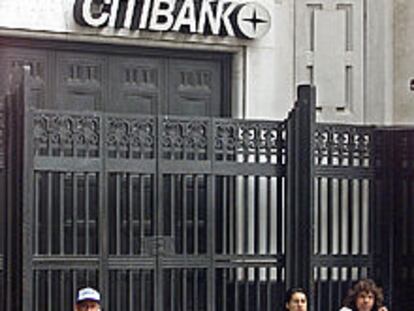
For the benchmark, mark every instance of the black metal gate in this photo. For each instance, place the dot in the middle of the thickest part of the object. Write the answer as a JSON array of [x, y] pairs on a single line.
[[159, 213], [177, 213]]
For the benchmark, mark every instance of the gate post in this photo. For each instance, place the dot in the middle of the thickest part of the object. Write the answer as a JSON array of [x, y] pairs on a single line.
[[27, 151], [14, 135], [300, 175]]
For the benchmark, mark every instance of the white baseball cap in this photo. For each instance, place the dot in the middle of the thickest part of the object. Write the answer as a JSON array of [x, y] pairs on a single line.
[[88, 293]]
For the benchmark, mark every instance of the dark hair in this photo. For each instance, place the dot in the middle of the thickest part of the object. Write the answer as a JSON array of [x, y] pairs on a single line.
[[291, 291], [364, 286]]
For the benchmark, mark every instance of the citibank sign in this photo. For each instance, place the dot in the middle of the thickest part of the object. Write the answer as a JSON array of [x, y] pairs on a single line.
[[220, 17]]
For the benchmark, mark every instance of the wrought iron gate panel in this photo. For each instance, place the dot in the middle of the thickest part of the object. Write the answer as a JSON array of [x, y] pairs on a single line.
[[344, 211], [184, 164], [249, 214], [63, 211], [129, 155], [92, 181], [131, 204]]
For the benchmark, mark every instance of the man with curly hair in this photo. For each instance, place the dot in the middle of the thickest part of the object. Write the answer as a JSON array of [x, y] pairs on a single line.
[[365, 295]]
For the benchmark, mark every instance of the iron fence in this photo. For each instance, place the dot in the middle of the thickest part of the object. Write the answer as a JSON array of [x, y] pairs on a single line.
[[176, 213]]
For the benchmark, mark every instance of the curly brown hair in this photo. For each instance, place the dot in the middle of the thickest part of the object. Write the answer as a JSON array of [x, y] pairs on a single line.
[[364, 286]]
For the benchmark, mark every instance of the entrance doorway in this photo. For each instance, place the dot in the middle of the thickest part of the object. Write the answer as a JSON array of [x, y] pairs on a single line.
[[110, 78]]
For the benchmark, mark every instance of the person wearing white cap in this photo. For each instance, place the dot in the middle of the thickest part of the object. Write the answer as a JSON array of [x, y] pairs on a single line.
[[88, 299]]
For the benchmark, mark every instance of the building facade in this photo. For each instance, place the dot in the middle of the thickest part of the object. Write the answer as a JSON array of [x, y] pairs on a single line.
[[352, 50]]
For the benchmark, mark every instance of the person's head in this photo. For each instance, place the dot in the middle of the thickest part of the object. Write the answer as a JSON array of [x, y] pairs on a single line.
[[296, 299], [88, 299], [365, 295]]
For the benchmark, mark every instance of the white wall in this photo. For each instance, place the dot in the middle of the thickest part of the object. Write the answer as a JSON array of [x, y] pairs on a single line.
[[404, 61]]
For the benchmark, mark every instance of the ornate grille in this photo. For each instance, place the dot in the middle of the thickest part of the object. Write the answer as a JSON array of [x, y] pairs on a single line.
[[142, 194]]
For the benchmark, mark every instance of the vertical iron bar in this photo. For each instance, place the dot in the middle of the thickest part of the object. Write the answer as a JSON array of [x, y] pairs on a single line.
[[270, 222], [246, 228], [318, 221], [268, 301], [196, 303], [118, 208], [361, 228], [131, 290], [339, 194], [75, 213], [143, 295], [140, 276], [118, 291], [236, 289], [87, 207], [103, 227], [173, 283], [257, 287], [318, 277], [225, 206], [158, 214], [131, 204], [63, 302], [184, 215], [62, 213], [173, 204], [49, 210], [246, 289], [232, 215], [142, 212], [211, 220], [257, 230], [27, 202], [49, 290], [36, 289], [224, 280], [350, 216], [195, 217], [329, 279], [36, 245], [184, 292], [329, 223]]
